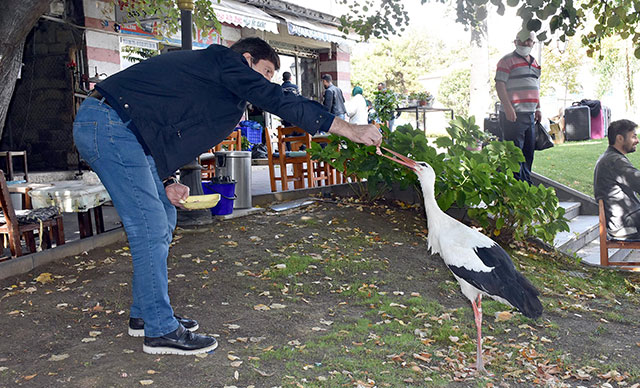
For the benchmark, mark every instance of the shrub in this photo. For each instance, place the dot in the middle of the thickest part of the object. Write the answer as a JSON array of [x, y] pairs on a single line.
[[480, 181], [454, 91]]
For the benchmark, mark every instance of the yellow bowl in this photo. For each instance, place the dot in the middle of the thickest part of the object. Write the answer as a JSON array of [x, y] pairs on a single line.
[[201, 201]]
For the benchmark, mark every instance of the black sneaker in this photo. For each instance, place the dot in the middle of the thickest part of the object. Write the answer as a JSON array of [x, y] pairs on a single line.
[[180, 341], [136, 325]]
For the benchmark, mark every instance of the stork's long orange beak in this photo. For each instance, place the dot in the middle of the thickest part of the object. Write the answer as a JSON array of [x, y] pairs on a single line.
[[401, 159]]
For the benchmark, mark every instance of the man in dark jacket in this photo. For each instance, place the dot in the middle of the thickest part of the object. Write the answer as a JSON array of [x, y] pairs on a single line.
[[333, 98], [289, 87], [142, 124], [617, 182]]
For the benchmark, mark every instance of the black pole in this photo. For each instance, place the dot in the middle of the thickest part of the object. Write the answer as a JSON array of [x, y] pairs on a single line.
[[185, 29], [190, 174]]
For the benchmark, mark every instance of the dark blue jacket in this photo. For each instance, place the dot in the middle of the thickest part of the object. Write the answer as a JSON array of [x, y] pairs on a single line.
[[334, 100], [289, 86], [185, 102]]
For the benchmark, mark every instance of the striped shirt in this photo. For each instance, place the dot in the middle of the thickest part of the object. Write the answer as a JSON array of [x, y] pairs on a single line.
[[522, 81]]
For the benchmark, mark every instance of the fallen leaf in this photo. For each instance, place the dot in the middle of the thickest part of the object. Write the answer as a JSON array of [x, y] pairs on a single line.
[[44, 278], [502, 316], [426, 357], [263, 374], [261, 307], [146, 382], [92, 339], [236, 364], [277, 306], [231, 357], [27, 378], [58, 357]]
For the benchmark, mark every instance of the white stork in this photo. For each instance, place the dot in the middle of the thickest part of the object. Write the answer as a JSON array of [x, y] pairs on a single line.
[[480, 265]]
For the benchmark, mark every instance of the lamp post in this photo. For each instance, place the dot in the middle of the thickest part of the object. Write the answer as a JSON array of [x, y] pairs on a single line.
[[190, 173]]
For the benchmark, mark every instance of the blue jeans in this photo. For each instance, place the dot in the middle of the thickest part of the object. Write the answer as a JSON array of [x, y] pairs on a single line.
[[131, 179], [522, 133]]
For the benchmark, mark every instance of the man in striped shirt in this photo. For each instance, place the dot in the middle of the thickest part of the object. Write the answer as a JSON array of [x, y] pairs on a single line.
[[518, 85]]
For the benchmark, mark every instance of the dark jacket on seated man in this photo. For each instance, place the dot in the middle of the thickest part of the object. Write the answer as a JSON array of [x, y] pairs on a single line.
[[616, 182]]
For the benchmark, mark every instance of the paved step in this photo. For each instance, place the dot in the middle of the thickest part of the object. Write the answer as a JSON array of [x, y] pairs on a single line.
[[590, 253], [571, 209], [582, 229]]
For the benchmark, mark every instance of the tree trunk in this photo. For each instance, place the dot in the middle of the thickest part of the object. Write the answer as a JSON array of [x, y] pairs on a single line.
[[479, 98], [17, 18]]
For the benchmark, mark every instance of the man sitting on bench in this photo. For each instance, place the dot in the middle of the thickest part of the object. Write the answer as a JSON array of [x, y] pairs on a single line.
[[616, 181]]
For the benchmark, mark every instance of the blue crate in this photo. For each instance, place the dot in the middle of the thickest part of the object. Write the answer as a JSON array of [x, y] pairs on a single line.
[[254, 135]]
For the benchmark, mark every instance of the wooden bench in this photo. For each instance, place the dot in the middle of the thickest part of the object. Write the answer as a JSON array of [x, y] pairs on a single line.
[[606, 244]]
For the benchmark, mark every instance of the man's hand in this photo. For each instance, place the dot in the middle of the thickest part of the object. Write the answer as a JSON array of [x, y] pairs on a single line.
[[363, 134], [510, 113], [177, 192], [538, 115]]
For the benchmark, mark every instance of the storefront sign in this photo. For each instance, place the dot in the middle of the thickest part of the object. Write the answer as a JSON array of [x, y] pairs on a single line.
[[150, 29]]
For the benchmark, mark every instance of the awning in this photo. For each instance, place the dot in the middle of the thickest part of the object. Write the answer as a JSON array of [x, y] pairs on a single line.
[[244, 15], [308, 29]]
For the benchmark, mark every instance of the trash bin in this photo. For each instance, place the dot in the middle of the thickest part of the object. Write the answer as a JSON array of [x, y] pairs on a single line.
[[237, 166]]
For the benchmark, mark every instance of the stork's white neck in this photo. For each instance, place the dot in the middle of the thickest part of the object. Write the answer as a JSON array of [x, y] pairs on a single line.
[[435, 215]]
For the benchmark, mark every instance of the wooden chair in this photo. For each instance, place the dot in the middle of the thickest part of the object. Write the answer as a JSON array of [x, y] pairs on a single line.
[[23, 224], [298, 158], [606, 244], [233, 142], [271, 161]]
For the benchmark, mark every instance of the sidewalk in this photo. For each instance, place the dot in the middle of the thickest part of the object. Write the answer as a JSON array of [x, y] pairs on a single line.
[[259, 185]]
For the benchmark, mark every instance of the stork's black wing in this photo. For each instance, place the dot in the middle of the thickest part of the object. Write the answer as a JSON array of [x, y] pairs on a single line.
[[503, 280]]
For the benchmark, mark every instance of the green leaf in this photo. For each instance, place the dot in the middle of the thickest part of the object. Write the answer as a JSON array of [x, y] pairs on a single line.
[[534, 25], [613, 21]]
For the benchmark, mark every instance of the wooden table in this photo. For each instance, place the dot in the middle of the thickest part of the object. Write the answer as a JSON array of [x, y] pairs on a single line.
[[424, 110], [24, 189], [75, 197]]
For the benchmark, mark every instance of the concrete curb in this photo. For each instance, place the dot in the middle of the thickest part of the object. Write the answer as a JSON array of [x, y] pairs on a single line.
[[26, 263]]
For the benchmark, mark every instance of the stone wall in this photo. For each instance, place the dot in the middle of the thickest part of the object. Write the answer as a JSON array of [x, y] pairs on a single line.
[[40, 117]]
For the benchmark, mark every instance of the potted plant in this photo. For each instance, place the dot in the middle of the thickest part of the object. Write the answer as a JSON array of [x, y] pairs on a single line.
[[425, 99], [385, 103], [413, 99]]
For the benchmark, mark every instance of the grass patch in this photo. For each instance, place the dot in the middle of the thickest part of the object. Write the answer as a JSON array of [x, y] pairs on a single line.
[[572, 163]]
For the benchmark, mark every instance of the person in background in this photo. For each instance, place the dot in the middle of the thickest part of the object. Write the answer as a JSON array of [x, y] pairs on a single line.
[[617, 182], [288, 87], [381, 86], [518, 85], [143, 123], [333, 98], [357, 110]]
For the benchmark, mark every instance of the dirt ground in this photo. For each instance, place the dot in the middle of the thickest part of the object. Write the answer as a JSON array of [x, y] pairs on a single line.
[[64, 324]]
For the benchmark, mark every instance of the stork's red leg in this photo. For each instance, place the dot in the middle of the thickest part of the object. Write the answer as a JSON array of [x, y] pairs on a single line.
[[477, 313]]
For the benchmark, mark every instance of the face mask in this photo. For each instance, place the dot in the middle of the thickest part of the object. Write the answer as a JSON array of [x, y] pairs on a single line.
[[523, 50]]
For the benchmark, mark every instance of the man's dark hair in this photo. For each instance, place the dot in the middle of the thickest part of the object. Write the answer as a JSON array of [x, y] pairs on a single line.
[[620, 127], [327, 77], [258, 48], [286, 76]]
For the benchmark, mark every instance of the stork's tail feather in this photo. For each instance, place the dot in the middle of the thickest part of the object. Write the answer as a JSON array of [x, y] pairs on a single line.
[[526, 298]]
